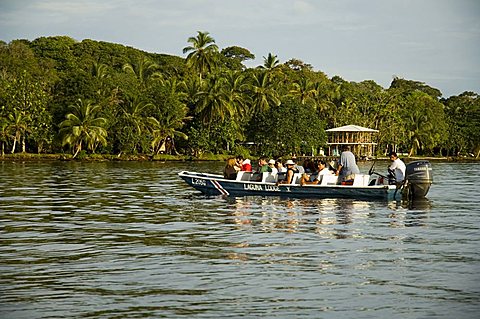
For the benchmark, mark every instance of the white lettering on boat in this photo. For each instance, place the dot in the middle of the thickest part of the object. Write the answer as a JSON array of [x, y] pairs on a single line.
[[422, 168], [252, 187], [271, 188], [256, 187], [197, 181]]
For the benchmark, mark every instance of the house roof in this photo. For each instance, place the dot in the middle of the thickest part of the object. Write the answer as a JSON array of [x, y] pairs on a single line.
[[351, 128]]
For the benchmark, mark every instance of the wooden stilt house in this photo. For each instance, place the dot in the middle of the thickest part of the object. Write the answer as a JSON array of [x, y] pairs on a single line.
[[360, 139]]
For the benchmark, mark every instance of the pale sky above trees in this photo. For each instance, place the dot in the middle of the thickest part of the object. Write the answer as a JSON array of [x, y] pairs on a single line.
[[432, 41]]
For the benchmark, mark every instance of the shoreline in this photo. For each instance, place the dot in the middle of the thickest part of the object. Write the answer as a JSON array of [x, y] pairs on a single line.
[[187, 158]]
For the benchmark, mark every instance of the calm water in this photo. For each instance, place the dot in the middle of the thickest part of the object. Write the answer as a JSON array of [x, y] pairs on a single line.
[[131, 240]]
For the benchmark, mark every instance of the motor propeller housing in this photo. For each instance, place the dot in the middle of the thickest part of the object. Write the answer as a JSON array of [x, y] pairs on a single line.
[[418, 176]]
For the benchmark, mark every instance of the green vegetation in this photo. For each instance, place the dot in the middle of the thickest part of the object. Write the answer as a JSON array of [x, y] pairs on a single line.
[[108, 101]]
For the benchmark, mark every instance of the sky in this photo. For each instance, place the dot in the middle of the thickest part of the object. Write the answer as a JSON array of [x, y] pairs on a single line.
[[432, 41]]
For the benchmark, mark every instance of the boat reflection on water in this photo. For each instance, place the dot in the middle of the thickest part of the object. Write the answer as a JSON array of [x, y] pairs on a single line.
[[418, 204], [411, 213], [270, 214]]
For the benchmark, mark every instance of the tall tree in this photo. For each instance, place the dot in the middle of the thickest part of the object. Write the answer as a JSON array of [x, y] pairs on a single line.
[[423, 122], [463, 114], [290, 128], [18, 124], [201, 53], [4, 135], [270, 62], [305, 90], [235, 56], [264, 94], [26, 102], [143, 69], [214, 101], [83, 126]]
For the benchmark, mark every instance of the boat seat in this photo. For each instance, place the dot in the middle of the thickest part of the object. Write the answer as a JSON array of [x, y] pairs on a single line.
[[255, 177], [244, 176], [269, 177], [296, 178], [281, 176], [329, 180], [361, 180]]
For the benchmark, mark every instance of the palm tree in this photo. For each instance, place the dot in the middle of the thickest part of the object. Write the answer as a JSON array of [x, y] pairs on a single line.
[[175, 87], [133, 112], [202, 53], [214, 102], [4, 134], [166, 128], [19, 125], [83, 126], [304, 89], [263, 93], [236, 87], [143, 70], [100, 72], [270, 62]]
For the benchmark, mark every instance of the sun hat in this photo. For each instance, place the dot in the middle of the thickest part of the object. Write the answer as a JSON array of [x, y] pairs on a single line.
[[333, 164], [289, 162], [271, 162]]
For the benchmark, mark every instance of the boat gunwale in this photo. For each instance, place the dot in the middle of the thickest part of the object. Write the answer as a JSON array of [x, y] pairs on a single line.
[[217, 177]]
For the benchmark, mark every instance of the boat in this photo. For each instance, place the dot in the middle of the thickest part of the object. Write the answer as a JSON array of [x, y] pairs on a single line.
[[372, 186]]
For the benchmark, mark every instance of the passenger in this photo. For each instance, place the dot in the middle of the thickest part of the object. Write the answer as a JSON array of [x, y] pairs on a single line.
[[347, 167], [263, 165], [231, 169], [300, 169], [332, 166], [244, 164], [316, 178], [262, 168], [290, 172], [271, 164], [397, 168], [279, 166], [310, 166]]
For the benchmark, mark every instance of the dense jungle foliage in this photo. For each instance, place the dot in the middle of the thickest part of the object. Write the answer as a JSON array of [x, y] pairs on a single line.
[[60, 95]]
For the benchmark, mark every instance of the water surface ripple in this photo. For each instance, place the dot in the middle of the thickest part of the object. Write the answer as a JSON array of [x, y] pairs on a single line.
[[131, 240]]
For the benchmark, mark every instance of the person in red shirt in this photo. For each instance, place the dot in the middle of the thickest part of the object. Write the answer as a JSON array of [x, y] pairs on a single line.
[[244, 164]]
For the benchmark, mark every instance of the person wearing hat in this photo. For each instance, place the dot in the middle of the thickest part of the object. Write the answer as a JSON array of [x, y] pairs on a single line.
[[271, 164], [299, 168], [290, 171]]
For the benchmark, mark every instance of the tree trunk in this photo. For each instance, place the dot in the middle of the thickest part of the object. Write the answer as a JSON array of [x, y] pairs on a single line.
[[39, 147], [14, 144], [23, 144], [79, 148], [412, 151]]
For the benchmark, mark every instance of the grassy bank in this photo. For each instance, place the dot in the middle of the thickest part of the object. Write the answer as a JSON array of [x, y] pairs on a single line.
[[181, 158], [108, 157]]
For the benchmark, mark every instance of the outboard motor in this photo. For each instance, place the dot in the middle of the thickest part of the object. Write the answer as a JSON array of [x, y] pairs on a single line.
[[418, 177]]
